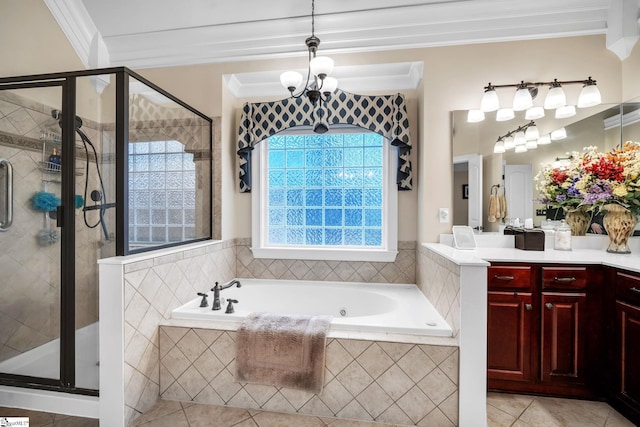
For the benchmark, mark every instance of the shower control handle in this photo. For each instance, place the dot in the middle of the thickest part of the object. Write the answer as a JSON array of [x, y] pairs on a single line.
[[230, 302]]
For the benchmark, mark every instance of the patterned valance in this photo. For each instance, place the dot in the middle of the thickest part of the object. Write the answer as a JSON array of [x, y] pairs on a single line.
[[385, 115]]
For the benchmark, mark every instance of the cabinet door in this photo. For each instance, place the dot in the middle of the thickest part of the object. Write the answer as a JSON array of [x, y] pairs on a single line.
[[509, 334], [563, 337], [628, 353]]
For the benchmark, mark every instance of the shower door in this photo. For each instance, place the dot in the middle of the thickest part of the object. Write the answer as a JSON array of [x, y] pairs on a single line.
[[31, 248], [36, 275]]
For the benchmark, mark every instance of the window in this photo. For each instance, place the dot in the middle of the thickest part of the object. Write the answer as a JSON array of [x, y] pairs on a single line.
[[329, 196], [162, 193]]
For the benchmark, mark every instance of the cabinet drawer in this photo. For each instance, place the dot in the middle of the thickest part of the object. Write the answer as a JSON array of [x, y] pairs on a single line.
[[509, 277], [628, 287], [564, 278]]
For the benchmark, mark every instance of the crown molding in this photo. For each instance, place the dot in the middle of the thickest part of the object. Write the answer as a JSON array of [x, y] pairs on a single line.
[[372, 78]]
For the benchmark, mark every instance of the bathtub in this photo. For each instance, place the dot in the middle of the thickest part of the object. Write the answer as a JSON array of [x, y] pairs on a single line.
[[358, 307]]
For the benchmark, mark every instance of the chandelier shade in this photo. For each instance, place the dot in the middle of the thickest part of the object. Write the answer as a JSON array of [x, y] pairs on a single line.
[[544, 139], [505, 114], [566, 111], [522, 99], [291, 80], [556, 97], [498, 148], [558, 134], [475, 116], [490, 101], [534, 113]]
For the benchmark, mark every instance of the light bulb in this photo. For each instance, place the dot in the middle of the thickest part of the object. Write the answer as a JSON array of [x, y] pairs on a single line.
[[555, 97], [291, 80], [498, 148], [522, 99], [566, 111], [558, 134], [504, 114], [544, 139], [534, 113], [490, 101], [509, 143], [475, 116], [589, 95], [321, 66]]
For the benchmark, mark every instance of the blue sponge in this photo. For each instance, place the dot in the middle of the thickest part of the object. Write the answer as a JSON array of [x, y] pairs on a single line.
[[79, 201], [44, 202]]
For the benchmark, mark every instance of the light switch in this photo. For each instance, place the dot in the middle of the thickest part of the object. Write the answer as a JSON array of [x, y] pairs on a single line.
[[443, 214]]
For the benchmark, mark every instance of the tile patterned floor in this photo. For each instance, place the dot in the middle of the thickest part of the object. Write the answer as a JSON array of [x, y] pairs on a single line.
[[508, 410]]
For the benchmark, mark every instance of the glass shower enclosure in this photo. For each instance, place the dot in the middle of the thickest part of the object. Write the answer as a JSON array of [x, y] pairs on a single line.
[[93, 164]]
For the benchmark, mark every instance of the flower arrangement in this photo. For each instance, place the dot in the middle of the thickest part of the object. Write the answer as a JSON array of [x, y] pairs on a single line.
[[594, 179]]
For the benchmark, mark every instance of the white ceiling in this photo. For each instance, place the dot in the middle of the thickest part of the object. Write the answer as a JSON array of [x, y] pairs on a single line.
[[157, 33]]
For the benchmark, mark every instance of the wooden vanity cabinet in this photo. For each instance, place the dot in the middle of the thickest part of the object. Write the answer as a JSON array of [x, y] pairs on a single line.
[[541, 333], [626, 392]]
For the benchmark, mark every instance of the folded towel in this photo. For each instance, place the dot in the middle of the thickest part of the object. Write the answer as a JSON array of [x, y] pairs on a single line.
[[494, 208], [503, 207], [282, 350]]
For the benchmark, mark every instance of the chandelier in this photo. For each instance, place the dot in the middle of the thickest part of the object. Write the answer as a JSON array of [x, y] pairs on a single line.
[[317, 88], [526, 92]]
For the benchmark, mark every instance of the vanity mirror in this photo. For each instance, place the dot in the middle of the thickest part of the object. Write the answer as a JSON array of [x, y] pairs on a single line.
[[512, 173]]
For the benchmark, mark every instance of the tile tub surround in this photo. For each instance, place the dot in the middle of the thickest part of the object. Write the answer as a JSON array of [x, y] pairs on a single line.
[[401, 383], [138, 292]]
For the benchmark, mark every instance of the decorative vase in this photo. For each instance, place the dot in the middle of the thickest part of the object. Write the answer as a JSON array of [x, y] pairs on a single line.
[[619, 223], [578, 220]]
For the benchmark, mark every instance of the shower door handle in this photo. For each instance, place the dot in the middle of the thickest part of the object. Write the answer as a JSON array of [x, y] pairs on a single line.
[[59, 216], [7, 219]]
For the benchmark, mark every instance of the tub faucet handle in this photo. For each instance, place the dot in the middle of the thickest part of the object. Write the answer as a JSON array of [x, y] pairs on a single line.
[[230, 302], [204, 302]]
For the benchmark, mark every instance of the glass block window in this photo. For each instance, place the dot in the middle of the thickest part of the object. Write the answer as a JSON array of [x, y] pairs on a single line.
[[162, 193], [325, 190]]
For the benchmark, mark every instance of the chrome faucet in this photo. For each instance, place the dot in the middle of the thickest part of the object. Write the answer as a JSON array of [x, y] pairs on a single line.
[[216, 292]]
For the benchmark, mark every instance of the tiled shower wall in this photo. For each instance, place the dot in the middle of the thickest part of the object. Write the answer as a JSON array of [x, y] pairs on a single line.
[[395, 383], [29, 272]]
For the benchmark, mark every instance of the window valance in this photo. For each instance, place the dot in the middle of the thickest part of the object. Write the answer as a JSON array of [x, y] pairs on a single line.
[[385, 115]]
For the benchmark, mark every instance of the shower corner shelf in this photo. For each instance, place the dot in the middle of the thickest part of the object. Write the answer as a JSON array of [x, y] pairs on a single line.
[[55, 169]]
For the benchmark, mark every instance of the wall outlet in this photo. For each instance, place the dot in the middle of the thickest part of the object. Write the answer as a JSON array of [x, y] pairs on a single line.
[[443, 214]]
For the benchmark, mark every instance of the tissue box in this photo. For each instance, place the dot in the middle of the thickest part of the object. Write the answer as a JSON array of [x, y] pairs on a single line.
[[529, 239]]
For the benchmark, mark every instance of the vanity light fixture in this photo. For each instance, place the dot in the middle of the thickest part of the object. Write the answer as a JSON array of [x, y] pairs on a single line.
[[505, 114], [319, 88], [562, 162], [534, 113], [526, 92], [475, 116], [544, 139], [509, 143], [559, 134], [566, 111], [524, 136]]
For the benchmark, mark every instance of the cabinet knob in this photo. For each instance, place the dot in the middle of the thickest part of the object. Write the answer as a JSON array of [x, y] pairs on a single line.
[[549, 305], [528, 307]]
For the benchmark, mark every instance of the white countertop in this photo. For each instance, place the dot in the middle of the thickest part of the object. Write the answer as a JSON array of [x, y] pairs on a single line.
[[499, 248]]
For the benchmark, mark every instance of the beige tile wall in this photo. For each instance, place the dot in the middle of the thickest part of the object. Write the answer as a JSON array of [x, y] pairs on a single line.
[[401, 271], [153, 288], [398, 383], [439, 280]]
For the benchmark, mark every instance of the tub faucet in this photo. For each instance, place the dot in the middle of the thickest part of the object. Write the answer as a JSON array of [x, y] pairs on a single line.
[[216, 292]]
